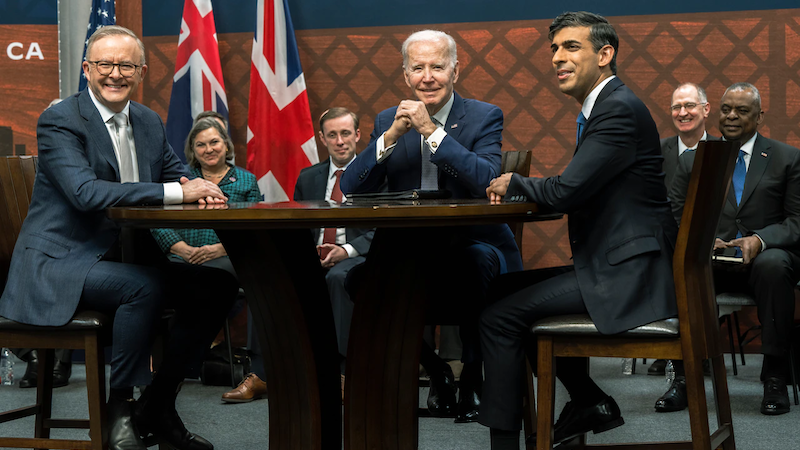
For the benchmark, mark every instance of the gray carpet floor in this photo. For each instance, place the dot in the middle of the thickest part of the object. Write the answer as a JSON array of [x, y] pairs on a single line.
[[244, 426]]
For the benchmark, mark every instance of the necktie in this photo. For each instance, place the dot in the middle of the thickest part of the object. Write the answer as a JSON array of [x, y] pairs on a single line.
[[430, 172], [581, 122], [124, 146], [329, 236], [739, 174]]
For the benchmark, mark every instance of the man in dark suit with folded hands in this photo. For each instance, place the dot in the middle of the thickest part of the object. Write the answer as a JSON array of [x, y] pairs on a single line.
[[97, 149], [340, 249], [441, 141], [761, 220], [621, 232]]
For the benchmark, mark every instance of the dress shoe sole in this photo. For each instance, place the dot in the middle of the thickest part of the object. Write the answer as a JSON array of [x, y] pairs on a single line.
[[667, 409], [774, 412], [243, 400], [610, 425]]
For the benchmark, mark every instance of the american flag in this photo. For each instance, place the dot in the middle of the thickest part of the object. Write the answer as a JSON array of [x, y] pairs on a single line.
[[101, 14], [280, 134], [197, 85]]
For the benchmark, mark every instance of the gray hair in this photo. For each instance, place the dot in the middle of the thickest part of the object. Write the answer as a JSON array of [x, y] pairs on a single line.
[[743, 86], [701, 93], [431, 35], [200, 126], [114, 30]]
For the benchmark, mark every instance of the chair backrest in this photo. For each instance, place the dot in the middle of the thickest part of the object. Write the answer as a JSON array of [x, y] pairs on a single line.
[[517, 162], [17, 174], [694, 286]]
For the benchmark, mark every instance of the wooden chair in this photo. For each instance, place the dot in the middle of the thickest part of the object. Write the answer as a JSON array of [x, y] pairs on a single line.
[[85, 331], [692, 337]]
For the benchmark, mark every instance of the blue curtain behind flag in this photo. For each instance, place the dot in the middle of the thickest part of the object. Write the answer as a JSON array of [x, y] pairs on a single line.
[[103, 13]]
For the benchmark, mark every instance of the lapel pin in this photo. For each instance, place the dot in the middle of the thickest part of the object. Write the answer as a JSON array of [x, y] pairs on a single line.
[[764, 154], [453, 125]]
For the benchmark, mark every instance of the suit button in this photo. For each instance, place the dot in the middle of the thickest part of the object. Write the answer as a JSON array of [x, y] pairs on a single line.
[[738, 220], [574, 241]]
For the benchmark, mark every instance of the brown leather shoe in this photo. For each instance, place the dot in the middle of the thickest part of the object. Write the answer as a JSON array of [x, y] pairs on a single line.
[[249, 389]]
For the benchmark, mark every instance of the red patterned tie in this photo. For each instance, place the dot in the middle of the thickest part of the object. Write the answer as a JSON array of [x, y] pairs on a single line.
[[329, 237]]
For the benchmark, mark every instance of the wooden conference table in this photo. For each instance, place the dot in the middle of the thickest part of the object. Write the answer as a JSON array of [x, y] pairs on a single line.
[[278, 266]]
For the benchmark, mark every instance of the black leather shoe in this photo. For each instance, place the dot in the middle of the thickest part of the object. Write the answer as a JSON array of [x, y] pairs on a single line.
[[61, 373], [658, 367], [122, 434], [442, 394], [30, 379], [675, 399], [577, 420], [776, 397], [164, 426], [469, 401]]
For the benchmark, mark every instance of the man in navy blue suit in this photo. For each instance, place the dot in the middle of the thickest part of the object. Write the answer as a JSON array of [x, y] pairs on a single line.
[[98, 149], [622, 237], [440, 141]]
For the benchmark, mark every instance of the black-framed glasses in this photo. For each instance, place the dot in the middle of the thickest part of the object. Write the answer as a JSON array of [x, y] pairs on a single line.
[[105, 68], [687, 106]]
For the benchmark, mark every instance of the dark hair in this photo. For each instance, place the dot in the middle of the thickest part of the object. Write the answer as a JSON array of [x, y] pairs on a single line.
[[200, 126], [213, 115], [601, 32], [335, 113]]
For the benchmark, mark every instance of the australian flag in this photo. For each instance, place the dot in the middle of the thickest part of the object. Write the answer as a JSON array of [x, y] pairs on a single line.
[[103, 13], [280, 134], [197, 85]]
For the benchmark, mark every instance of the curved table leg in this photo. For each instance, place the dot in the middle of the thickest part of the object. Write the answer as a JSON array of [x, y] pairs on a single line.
[[286, 291], [382, 393]]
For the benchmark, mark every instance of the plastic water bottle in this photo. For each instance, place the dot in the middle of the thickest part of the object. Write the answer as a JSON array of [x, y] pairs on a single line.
[[6, 367], [669, 372], [627, 366]]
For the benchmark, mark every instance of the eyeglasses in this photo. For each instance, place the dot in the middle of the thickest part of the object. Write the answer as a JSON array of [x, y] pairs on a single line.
[[105, 68], [687, 106]]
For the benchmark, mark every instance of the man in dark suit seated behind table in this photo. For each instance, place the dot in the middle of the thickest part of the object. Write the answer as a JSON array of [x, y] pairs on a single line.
[[622, 237], [340, 249], [97, 149], [443, 141], [689, 110], [761, 217]]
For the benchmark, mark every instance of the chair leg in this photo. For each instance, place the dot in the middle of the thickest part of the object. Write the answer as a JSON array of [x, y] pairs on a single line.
[[546, 404], [738, 335], [44, 392], [794, 376], [698, 406], [722, 402], [227, 328], [733, 345], [529, 413], [95, 387]]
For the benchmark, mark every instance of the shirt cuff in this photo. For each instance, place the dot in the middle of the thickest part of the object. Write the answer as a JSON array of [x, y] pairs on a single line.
[[173, 193], [435, 139], [763, 244], [351, 251], [382, 152]]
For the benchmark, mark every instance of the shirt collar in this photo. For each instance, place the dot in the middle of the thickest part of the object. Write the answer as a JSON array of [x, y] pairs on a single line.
[[104, 111], [332, 167], [444, 113], [588, 104], [747, 147], [682, 147]]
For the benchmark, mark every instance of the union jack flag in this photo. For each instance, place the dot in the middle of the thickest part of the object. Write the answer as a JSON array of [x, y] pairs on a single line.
[[197, 85], [102, 13], [280, 134]]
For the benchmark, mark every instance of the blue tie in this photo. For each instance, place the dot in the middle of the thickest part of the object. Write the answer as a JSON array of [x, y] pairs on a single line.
[[581, 122], [739, 174]]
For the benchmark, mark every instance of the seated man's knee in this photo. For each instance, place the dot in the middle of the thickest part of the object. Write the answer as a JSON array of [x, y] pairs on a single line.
[[771, 264]]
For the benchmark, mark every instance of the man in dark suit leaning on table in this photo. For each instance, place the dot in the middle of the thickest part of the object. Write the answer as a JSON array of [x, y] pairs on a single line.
[[689, 109], [622, 237], [443, 141], [340, 249], [96, 150], [761, 217]]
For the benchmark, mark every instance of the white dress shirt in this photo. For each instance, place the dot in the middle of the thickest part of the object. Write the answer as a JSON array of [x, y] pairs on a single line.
[[682, 147]]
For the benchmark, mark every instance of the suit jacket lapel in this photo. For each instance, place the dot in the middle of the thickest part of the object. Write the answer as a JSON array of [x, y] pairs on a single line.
[[140, 142], [758, 164], [97, 129], [321, 179], [604, 93]]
